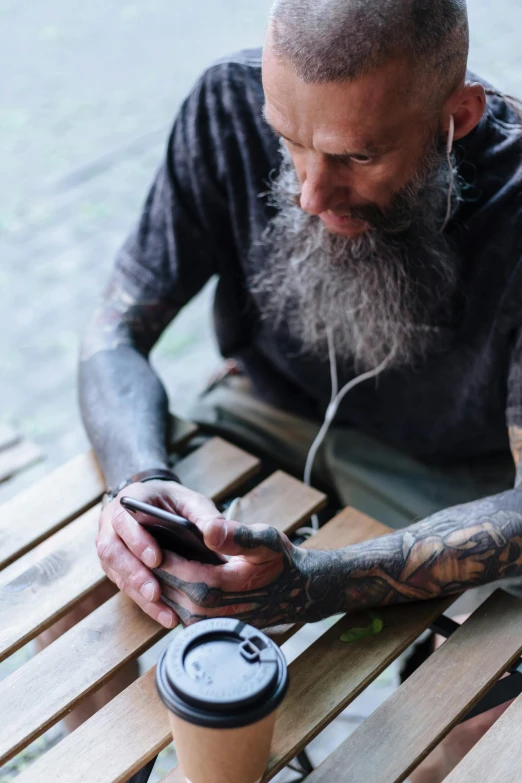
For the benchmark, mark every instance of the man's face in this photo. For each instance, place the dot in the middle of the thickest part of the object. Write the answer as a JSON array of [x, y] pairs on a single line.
[[354, 144]]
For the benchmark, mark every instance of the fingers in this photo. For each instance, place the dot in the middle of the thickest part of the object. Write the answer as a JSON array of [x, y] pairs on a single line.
[[157, 609], [191, 505], [199, 580], [135, 536], [125, 550], [129, 570], [257, 543], [191, 612]]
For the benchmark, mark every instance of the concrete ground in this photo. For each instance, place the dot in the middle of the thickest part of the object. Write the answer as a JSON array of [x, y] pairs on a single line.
[[88, 95]]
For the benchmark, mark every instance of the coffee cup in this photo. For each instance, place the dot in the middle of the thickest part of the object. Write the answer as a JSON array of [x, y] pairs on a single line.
[[222, 682]]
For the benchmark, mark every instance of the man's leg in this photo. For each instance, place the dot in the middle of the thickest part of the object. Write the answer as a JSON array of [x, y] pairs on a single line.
[[397, 489]]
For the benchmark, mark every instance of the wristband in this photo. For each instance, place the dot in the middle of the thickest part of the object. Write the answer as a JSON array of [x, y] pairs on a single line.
[[158, 474]]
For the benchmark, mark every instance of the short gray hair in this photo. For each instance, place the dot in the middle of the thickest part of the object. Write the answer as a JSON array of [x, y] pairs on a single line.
[[339, 40]]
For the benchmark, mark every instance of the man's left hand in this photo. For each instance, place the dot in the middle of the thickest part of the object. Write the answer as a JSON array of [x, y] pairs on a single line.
[[264, 583]]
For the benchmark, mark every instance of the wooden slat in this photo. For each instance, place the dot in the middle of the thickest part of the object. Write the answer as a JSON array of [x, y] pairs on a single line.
[[135, 720], [19, 456], [33, 698], [37, 694], [8, 436], [281, 501], [46, 582], [224, 469], [403, 730], [112, 745], [497, 757], [56, 499]]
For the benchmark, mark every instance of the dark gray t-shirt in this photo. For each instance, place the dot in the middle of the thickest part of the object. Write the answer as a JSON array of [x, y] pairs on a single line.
[[204, 215]]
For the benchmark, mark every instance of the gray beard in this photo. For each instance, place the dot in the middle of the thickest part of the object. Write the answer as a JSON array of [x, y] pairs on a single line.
[[382, 295]]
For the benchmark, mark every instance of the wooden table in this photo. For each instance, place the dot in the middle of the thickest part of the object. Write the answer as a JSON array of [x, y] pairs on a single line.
[[49, 563]]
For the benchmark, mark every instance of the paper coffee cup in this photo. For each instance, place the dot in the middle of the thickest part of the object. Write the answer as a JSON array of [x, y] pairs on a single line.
[[222, 682]]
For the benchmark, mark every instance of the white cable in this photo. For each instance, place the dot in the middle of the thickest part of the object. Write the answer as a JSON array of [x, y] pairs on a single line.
[[333, 365], [336, 400], [232, 511], [449, 148]]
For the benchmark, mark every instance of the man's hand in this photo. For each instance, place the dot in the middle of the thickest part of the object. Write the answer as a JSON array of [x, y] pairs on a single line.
[[128, 552], [266, 581]]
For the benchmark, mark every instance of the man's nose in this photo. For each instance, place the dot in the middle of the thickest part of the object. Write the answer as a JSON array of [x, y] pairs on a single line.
[[317, 190]]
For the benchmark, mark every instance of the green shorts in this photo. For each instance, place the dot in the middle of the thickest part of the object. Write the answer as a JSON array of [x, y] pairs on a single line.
[[357, 469]]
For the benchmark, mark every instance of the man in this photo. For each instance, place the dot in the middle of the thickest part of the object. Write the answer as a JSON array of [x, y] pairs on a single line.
[[321, 191]]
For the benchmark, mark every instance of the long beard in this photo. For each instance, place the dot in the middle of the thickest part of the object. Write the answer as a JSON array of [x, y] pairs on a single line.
[[384, 294]]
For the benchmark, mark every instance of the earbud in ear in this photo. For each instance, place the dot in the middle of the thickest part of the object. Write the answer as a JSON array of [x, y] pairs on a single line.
[[451, 134], [449, 148]]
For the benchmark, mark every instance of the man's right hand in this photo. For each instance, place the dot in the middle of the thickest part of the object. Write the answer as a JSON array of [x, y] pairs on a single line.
[[127, 551]]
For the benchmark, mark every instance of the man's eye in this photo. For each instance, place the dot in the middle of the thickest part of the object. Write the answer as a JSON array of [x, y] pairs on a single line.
[[363, 159]]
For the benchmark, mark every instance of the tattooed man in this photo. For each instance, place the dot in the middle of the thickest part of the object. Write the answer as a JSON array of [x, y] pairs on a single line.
[[357, 194]]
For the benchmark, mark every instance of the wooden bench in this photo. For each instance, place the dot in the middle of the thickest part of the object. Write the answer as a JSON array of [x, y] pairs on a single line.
[[50, 563]]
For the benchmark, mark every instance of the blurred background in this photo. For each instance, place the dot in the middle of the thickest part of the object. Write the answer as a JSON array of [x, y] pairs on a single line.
[[87, 97], [88, 94]]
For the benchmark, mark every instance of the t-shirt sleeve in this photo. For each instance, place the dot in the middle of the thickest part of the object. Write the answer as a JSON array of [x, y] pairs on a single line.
[[514, 397], [184, 226]]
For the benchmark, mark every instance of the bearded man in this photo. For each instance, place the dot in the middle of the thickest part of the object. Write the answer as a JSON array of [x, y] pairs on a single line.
[[356, 192]]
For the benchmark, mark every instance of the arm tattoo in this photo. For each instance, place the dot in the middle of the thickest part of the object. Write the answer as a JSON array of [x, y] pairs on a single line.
[[451, 551], [123, 403], [126, 317]]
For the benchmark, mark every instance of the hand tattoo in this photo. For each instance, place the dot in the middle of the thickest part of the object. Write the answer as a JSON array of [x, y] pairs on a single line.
[[451, 551], [281, 591]]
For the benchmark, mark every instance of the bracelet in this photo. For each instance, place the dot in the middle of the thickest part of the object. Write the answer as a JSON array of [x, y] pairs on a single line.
[[159, 474]]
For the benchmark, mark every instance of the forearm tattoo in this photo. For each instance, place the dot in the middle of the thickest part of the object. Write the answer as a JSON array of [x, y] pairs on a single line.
[[123, 404], [455, 549], [126, 316]]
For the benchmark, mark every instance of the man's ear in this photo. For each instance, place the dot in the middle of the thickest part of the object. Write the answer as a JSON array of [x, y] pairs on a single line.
[[467, 106]]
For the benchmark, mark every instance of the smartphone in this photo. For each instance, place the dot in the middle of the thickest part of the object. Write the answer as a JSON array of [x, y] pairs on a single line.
[[173, 532]]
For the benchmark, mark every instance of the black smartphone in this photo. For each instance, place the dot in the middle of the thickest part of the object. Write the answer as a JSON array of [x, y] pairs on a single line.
[[173, 532]]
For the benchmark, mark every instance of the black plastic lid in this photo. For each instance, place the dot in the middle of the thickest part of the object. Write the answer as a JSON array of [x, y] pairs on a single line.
[[222, 673]]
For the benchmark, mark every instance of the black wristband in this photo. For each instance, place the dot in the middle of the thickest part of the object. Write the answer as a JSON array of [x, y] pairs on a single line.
[[159, 474]]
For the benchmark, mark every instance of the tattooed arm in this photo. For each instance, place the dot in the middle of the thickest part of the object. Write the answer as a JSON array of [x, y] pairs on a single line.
[[123, 403], [273, 582]]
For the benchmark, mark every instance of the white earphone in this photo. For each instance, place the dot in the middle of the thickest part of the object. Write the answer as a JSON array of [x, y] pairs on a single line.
[[449, 150], [451, 134]]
